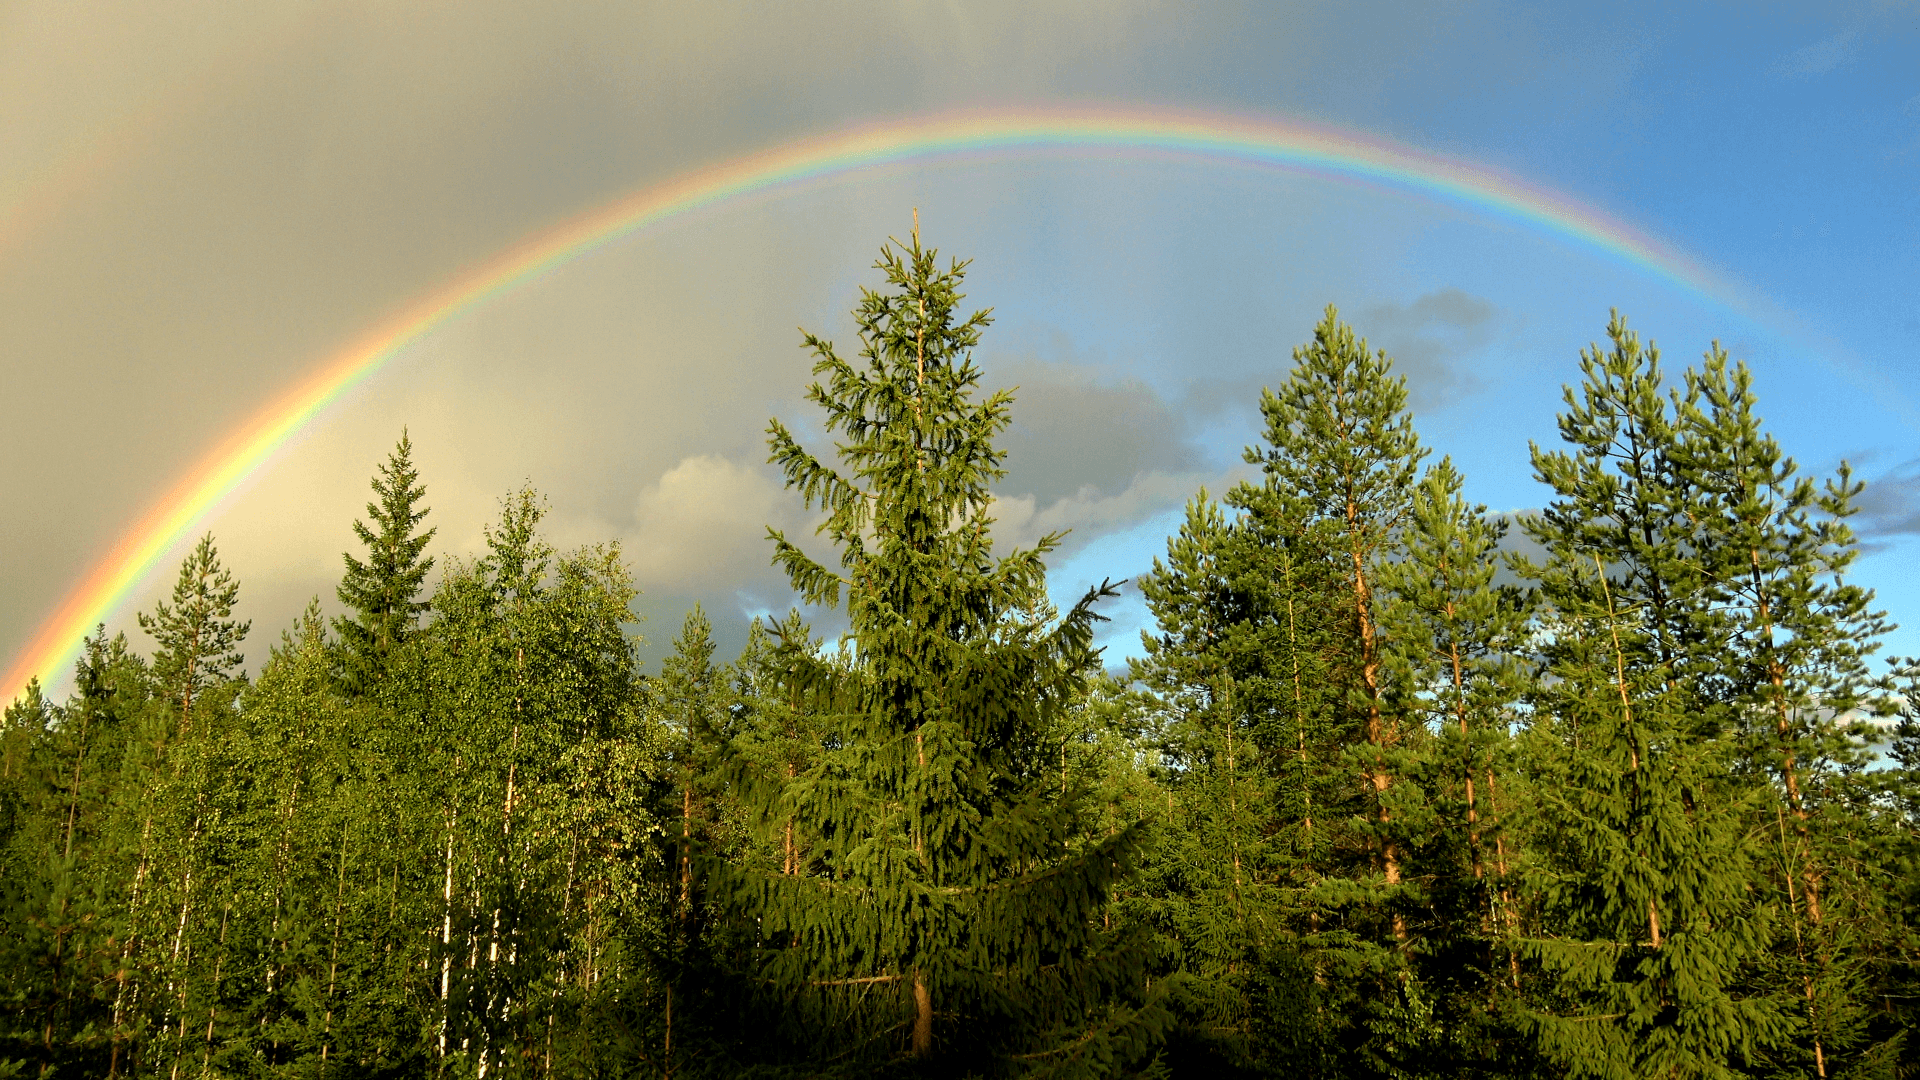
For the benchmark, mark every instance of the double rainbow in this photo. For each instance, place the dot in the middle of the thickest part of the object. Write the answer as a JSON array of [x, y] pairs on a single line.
[[1294, 147]]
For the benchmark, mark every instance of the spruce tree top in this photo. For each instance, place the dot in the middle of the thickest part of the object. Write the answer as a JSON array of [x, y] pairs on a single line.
[[919, 448], [383, 591]]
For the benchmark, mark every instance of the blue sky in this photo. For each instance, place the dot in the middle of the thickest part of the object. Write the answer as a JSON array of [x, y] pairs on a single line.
[[185, 229]]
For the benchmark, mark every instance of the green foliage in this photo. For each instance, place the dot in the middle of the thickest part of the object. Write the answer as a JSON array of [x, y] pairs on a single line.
[[1794, 652], [198, 639], [1649, 928], [1341, 456], [1454, 639], [1358, 810], [383, 592], [948, 911], [1238, 676]]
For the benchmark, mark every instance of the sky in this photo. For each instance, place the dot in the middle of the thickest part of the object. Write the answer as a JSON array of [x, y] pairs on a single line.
[[201, 204]]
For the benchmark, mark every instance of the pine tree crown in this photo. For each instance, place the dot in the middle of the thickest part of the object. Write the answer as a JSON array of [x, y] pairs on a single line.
[[198, 639]]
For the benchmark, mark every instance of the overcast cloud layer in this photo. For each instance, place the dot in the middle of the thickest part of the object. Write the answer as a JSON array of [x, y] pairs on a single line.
[[199, 202]]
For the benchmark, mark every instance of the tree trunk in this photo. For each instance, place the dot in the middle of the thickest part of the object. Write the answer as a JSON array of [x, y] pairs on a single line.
[[73, 804], [213, 1004], [790, 859], [1377, 735], [333, 960], [922, 1015], [126, 951], [446, 938], [1466, 734], [1299, 718]]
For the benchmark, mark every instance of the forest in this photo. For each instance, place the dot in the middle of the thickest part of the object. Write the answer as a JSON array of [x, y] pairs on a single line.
[[1381, 797]]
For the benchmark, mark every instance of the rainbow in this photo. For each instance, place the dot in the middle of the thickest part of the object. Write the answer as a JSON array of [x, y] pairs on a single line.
[[1263, 142]]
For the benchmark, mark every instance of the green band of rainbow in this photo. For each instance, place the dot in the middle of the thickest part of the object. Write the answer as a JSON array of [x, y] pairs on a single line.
[[1312, 149]]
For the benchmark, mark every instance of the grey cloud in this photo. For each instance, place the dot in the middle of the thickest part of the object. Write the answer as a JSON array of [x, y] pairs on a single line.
[[1516, 542], [1021, 520], [1449, 307], [1075, 428], [1427, 338], [1890, 506], [702, 527]]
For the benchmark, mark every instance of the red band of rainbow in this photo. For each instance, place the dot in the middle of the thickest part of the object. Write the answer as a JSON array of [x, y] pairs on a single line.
[[1286, 145]]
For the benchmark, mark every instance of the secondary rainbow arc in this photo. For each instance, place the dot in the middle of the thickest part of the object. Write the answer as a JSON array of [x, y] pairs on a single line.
[[1302, 147]]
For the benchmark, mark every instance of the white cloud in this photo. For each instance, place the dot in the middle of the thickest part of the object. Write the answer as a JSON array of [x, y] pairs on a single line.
[[703, 524], [1821, 56], [1088, 513]]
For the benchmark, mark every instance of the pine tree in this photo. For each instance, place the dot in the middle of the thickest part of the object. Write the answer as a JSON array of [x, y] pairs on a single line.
[[1796, 641], [383, 591], [1275, 673], [697, 710], [198, 638], [1224, 809], [949, 916], [1648, 931], [777, 738], [57, 947], [1624, 496], [1454, 637], [1894, 842], [1238, 672], [1340, 457], [689, 693], [1340, 441]]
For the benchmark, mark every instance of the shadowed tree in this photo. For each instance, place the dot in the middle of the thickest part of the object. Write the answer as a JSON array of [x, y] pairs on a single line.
[[1245, 673]]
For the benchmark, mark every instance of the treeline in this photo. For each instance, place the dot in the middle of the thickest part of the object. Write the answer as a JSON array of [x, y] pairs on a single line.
[[1380, 799]]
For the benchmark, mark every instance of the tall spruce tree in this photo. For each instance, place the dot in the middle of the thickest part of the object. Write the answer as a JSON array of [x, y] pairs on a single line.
[[949, 920], [383, 592], [198, 638]]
